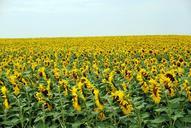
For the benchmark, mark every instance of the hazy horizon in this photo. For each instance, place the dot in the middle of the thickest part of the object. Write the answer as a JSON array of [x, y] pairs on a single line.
[[79, 18]]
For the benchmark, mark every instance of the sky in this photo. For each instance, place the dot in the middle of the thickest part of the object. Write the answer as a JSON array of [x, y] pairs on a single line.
[[57, 18]]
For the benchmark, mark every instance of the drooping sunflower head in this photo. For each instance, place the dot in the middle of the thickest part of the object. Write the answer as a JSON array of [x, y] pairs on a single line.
[[155, 90], [4, 90]]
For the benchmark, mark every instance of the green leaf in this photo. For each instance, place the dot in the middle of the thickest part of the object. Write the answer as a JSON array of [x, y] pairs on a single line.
[[158, 120], [140, 106], [186, 119], [37, 119], [178, 115], [161, 109], [11, 122], [14, 120], [145, 115], [76, 124]]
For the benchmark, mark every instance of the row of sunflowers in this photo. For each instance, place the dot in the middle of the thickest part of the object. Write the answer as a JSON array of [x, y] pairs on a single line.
[[136, 82]]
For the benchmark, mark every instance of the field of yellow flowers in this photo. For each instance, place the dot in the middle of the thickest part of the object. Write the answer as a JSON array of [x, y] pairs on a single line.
[[95, 82]]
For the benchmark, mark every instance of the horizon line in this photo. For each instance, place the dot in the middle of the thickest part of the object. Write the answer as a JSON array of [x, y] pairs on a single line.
[[91, 36]]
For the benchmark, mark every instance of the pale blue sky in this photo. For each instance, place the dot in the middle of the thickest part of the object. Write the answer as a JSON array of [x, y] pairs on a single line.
[[42, 18]]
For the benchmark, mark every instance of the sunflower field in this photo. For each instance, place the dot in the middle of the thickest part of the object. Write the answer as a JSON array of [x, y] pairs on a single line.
[[95, 82]]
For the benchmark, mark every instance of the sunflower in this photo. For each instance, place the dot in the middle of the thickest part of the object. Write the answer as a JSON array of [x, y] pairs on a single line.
[[80, 88], [41, 88], [155, 91], [56, 73], [189, 73], [187, 89], [101, 116], [171, 75], [168, 84], [111, 77], [4, 90], [128, 74], [41, 72], [39, 97], [145, 87], [88, 84], [6, 103], [12, 79], [75, 99], [16, 90], [124, 86], [48, 88], [141, 75], [98, 104], [124, 104], [180, 71], [126, 107]]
